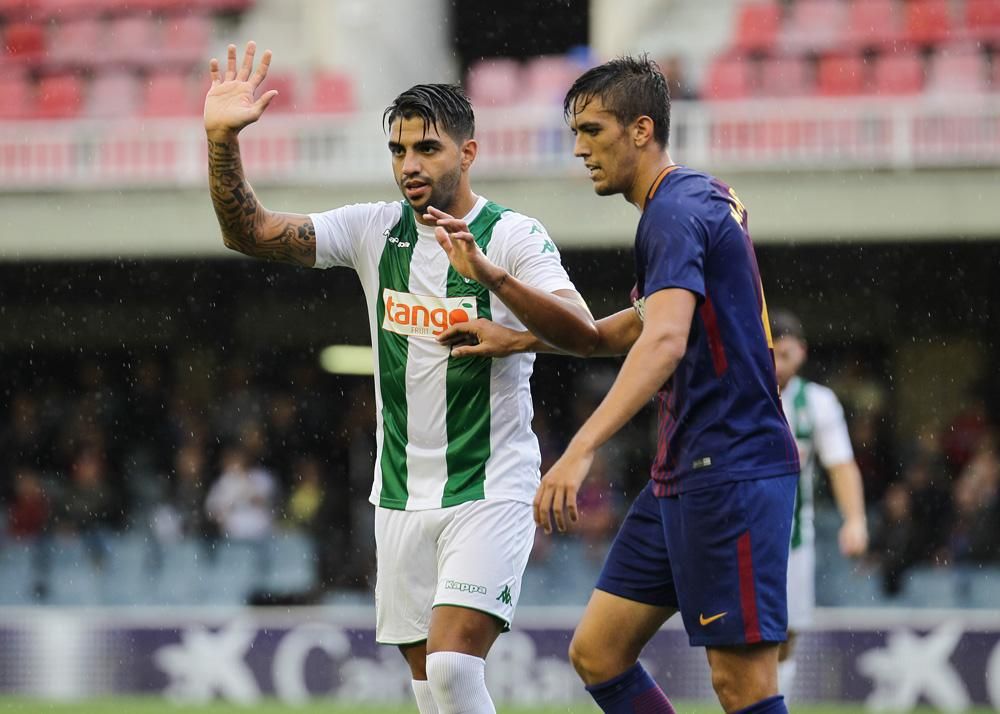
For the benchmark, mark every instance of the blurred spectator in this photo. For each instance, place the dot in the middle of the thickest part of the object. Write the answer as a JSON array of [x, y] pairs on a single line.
[[305, 500], [976, 529], [677, 82], [29, 509], [928, 484], [182, 513], [89, 505], [241, 502], [893, 539], [965, 432], [286, 437], [145, 430], [23, 441]]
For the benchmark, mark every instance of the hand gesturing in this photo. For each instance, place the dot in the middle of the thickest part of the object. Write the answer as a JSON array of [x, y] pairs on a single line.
[[230, 103]]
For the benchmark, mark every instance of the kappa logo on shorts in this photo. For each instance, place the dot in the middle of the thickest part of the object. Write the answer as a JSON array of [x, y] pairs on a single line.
[[465, 587], [504, 595]]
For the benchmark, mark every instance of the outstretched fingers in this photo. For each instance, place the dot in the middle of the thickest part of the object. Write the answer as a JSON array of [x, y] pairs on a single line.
[[230, 63], [261, 104], [261, 72], [247, 66], [213, 71]]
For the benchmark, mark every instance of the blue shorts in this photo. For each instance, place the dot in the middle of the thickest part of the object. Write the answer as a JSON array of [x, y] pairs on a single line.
[[719, 555]]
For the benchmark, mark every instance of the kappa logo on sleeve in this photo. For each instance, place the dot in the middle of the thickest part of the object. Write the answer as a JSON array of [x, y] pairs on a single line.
[[424, 315]]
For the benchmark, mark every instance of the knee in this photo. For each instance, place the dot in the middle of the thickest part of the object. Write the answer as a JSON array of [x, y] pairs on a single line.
[[456, 678], [594, 664]]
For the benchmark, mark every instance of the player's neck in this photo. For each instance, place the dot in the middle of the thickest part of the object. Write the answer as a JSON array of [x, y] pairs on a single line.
[[650, 167]]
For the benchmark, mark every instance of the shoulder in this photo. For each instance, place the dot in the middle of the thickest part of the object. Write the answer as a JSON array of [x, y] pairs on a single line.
[[821, 398], [363, 213]]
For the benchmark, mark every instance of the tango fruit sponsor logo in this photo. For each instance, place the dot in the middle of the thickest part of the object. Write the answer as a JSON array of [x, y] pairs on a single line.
[[424, 315]]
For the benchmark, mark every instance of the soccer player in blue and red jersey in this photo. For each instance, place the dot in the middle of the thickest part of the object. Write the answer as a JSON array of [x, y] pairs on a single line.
[[708, 537]]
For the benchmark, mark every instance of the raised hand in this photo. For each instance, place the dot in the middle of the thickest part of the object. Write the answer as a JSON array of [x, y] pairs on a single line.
[[230, 104], [460, 245]]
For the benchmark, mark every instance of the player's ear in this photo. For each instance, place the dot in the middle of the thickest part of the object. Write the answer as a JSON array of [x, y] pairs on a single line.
[[470, 147], [642, 131]]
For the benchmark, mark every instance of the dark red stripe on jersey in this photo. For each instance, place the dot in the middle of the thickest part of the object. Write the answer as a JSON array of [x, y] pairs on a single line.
[[748, 595], [711, 323]]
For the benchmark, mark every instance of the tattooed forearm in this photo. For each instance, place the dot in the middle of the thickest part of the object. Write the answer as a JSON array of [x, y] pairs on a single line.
[[246, 225]]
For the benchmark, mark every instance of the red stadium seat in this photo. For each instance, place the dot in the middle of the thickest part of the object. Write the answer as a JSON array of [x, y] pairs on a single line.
[[286, 84], [113, 95], [872, 23], [982, 19], [898, 74], [728, 78], [960, 69], [59, 97], [548, 78], [928, 22], [785, 77], [186, 39], [332, 93], [170, 94], [840, 75], [24, 42], [13, 10], [494, 82], [18, 97], [757, 26], [814, 25], [77, 44], [132, 41]]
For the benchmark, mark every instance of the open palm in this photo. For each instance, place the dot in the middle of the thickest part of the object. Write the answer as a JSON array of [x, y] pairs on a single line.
[[230, 104]]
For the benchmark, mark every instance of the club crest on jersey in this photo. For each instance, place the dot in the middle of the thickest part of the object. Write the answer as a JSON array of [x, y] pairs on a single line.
[[424, 315]]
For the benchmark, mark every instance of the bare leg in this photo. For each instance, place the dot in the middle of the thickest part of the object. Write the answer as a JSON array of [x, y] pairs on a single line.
[[743, 675]]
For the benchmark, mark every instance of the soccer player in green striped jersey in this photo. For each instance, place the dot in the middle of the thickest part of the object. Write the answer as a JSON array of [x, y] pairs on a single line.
[[817, 422], [457, 464]]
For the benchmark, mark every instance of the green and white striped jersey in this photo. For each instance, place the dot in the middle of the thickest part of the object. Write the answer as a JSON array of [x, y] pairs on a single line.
[[817, 422], [448, 430]]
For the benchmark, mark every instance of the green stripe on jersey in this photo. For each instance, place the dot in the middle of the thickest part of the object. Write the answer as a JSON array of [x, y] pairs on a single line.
[[803, 430], [468, 387], [394, 274]]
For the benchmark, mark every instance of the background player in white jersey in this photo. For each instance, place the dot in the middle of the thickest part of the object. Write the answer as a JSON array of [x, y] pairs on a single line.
[[457, 465], [817, 423]]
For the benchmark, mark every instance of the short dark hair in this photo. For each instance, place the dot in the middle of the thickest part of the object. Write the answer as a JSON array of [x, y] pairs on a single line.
[[629, 87], [443, 106], [786, 324]]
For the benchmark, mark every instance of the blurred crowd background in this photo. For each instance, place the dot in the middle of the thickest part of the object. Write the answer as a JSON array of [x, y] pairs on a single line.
[[167, 432]]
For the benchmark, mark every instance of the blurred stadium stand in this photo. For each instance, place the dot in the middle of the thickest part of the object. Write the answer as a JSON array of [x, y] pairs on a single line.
[[802, 96]]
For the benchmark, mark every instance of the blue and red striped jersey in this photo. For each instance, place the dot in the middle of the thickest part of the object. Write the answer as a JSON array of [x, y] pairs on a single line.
[[720, 417]]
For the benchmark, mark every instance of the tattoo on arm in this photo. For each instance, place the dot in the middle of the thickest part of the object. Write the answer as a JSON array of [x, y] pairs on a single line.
[[246, 225]]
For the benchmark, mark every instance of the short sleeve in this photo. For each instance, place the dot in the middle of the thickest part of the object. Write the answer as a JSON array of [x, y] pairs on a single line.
[[671, 242], [339, 234], [833, 442], [530, 255]]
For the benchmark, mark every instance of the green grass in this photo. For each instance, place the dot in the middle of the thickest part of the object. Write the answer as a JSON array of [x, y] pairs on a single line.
[[150, 705]]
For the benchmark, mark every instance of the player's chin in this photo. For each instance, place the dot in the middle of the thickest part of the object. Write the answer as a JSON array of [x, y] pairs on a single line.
[[603, 188]]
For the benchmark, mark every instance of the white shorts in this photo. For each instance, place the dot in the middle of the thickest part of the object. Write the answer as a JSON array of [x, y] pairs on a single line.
[[801, 587], [471, 555]]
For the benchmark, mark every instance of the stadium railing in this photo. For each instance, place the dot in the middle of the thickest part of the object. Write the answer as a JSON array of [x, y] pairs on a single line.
[[808, 135]]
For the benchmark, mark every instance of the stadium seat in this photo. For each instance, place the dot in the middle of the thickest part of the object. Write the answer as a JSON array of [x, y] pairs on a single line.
[[757, 26], [287, 85], [169, 94], [78, 43], [18, 96], [14, 10], [16, 572], [332, 93], [927, 22], [841, 75], [982, 19], [872, 23], [814, 25], [132, 42], [494, 82], [59, 97], [113, 95], [547, 78], [293, 559], [24, 42], [960, 69], [186, 39], [898, 73], [785, 77], [728, 78]]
